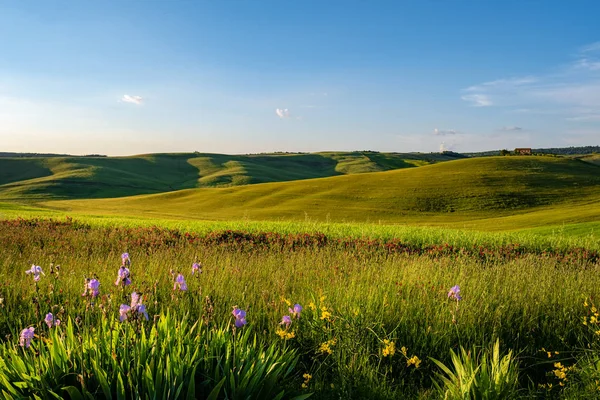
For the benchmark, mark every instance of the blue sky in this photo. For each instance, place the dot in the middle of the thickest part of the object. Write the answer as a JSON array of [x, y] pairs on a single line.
[[139, 76]]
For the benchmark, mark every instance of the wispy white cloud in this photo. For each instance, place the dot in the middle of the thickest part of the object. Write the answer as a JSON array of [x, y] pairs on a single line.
[[442, 132], [132, 99], [282, 113], [511, 128], [590, 48], [571, 92], [478, 100]]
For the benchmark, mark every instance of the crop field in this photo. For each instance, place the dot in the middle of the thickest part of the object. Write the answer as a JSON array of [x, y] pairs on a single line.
[[467, 279]]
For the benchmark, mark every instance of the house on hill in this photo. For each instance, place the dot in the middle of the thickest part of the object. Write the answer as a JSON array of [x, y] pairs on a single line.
[[525, 151]]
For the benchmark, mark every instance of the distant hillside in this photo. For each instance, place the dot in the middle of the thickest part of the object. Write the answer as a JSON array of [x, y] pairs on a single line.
[[461, 190], [44, 178], [564, 151]]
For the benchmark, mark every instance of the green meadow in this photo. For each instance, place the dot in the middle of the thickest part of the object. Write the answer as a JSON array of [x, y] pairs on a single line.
[[372, 246]]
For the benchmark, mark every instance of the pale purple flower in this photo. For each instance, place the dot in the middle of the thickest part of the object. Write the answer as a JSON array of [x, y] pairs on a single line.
[[123, 276], [136, 306], [286, 320], [240, 317], [51, 321], [454, 293], [135, 299], [26, 336], [180, 283], [196, 267], [91, 288], [296, 310], [142, 310], [36, 270], [123, 310], [125, 259]]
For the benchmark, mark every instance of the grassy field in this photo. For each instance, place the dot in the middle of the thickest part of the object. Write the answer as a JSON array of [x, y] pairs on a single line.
[[494, 193], [371, 257], [372, 324], [31, 179]]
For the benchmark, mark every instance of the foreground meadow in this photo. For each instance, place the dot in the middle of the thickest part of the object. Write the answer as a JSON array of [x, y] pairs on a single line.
[[160, 313]]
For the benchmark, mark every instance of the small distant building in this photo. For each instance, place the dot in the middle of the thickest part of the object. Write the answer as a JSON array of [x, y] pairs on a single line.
[[525, 151]]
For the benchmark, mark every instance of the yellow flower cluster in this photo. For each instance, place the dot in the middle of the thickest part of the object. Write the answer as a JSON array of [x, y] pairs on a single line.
[[284, 334], [307, 377], [312, 306], [325, 314], [414, 360], [326, 346], [561, 372], [286, 301], [594, 316], [389, 348]]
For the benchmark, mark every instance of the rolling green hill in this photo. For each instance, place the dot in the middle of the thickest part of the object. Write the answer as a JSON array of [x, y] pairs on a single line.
[[502, 192], [41, 178]]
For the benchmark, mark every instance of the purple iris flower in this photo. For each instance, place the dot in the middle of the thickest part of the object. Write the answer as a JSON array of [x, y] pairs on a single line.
[[91, 288], [296, 310], [123, 310], [123, 276], [286, 320], [36, 270], [51, 321], [26, 336], [180, 283], [142, 310], [135, 299], [136, 306], [196, 267], [454, 293], [240, 317], [125, 259]]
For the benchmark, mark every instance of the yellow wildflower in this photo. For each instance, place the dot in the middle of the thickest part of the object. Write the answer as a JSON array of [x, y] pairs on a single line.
[[403, 350], [325, 314], [307, 377], [326, 346], [414, 360], [312, 306], [389, 348]]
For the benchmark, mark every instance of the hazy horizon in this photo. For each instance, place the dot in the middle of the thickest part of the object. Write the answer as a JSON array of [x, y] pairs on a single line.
[[139, 77]]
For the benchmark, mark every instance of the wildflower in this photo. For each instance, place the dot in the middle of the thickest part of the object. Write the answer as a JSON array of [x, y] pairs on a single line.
[[389, 348], [240, 317], [123, 276], [325, 314], [125, 259], [326, 346], [414, 360], [136, 306], [454, 293], [296, 310], [51, 321], [123, 311], [91, 287], [196, 267], [180, 283], [284, 334], [307, 377], [36, 270], [312, 306], [286, 301], [286, 320], [26, 336]]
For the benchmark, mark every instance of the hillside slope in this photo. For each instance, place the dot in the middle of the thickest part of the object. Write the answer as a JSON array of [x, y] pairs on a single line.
[[493, 187], [34, 179]]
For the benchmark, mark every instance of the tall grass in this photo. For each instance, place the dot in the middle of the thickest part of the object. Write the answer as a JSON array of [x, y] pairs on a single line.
[[356, 304]]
